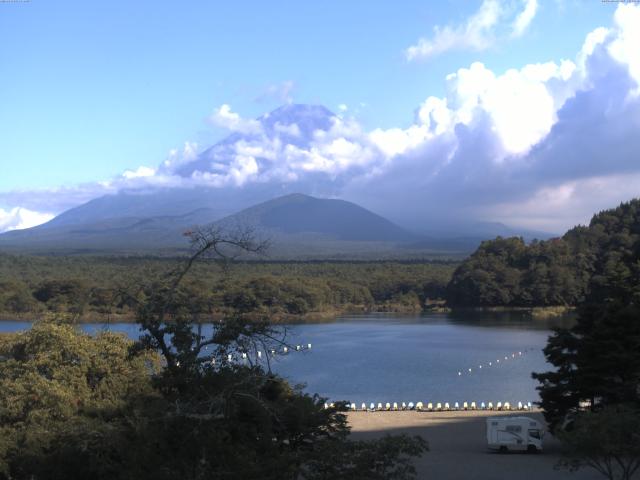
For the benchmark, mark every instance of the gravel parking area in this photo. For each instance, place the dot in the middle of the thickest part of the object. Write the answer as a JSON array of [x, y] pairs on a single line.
[[458, 450]]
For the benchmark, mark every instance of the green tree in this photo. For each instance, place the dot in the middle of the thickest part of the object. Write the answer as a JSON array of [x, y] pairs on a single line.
[[607, 441], [58, 385]]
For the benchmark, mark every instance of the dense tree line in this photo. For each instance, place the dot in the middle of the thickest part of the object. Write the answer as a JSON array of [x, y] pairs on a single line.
[[592, 397], [170, 405], [87, 287], [508, 272]]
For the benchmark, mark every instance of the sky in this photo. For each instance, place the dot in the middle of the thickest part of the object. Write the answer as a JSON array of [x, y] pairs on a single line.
[[520, 111]]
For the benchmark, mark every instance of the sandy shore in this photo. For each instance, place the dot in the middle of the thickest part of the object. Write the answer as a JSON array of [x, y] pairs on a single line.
[[458, 450]]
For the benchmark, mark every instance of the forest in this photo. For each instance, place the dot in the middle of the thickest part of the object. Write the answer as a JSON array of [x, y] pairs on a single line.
[[559, 271], [505, 272], [88, 287]]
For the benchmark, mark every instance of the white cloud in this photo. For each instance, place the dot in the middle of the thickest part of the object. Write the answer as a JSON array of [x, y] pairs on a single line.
[[18, 218], [525, 17], [223, 117], [280, 92], [475, 34], [534, 139], [479, 32], [626, 44], [140, 172]]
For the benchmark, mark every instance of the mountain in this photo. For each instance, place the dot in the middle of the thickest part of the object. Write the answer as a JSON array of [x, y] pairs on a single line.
[[336, 219], [293, 124], [298, 226]]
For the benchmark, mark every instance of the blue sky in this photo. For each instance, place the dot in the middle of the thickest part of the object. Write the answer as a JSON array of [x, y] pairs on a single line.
[[91, 89]]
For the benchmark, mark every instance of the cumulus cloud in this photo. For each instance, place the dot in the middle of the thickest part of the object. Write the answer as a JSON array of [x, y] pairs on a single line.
[[18, 218], [478, 32], [542, 145], [225, 118], [141, 171]]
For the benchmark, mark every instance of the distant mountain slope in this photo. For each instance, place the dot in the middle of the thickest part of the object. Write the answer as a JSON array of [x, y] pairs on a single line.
[[298, 225], [337, 219], [294, 124]]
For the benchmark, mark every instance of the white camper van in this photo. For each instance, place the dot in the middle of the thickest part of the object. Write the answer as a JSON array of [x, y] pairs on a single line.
[[514, 434]]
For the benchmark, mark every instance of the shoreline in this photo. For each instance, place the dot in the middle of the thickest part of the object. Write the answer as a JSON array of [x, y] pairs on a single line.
[[536, 313]]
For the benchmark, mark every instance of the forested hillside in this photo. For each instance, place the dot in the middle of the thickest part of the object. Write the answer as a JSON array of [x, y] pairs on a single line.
[[88, 287], [508, 272]]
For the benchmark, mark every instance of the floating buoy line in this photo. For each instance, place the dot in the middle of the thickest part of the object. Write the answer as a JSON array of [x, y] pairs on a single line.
[[243, 356], [434, 407], [494, 363]]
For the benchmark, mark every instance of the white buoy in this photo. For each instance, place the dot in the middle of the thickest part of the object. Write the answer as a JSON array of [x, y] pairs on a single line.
[[411, 405], [309, 346], [506, 406], [459, 373], [438, 406], [473, 406], [395, 406], [465, 406], [490, 406], [469, 370], [498, 361], [489, 363], [404, 406], [456, 406], [419, 406], [387, 406], [372, 407], [506, 358], [430, 407], [519, 353], [379, 406], [446, 406], [363, 407], [483, 406], [479, 366], [499, 406]]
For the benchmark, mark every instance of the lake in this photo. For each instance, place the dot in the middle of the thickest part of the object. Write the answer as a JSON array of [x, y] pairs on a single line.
[[396, 358]]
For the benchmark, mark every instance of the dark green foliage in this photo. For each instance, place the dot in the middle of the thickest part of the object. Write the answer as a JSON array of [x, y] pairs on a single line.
[[73, 406], [88, 287], [607, 441], [560, 271], [598, 360]]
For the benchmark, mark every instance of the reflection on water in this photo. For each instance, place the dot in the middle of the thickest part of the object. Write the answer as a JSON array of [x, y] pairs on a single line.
[[394, 358]]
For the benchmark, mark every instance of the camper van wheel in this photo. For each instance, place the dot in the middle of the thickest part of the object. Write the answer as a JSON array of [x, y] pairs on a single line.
[[502, 449], [532, 449]]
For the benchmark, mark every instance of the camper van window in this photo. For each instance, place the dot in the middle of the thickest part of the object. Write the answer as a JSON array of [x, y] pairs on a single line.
[[513, 428], [534, 434]]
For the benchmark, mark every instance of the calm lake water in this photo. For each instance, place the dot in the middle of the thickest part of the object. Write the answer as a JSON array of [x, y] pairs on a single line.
[[392, 358]]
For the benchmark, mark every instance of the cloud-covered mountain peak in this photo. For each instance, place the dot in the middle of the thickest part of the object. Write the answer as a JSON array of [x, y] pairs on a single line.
[[290, 124]]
